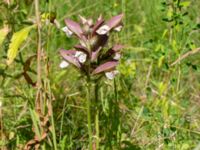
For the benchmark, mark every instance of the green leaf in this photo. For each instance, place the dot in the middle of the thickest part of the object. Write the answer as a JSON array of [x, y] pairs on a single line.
[[17, 39], [160, 61], [185, 4], [3, 33]]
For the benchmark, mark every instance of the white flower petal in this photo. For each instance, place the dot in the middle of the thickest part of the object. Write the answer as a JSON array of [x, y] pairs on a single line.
[[78, 53], [118, 29], [110, 75], [117, 56], [81, 56], [103, 30], [64, 64], [67, 31]]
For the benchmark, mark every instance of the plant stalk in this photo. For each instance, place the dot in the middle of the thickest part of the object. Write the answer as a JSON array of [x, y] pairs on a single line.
[[97, 115], [89, 115], [39, 53]]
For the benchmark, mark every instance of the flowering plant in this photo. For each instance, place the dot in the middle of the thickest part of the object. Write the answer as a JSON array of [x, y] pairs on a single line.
[[92, 59], [89, 56]]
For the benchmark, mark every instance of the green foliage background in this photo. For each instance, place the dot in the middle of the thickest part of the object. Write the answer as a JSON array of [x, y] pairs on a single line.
[[158, 103]]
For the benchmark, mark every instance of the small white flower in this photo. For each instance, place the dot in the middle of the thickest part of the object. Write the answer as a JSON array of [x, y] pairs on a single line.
[[81, 56], [118, 29], [67, 31], [117, 56], [1, 104], [110, 75], [103, 30], [64, 64]]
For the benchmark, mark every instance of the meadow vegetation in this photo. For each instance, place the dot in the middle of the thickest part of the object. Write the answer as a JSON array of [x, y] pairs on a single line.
[[153, 103]]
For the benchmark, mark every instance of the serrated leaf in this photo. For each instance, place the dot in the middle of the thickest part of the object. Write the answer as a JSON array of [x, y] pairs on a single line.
[[17, 39], [3, 33]]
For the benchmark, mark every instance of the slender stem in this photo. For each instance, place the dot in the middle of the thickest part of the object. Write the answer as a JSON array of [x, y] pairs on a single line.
[[38, 100], [1, 122], [39, 47], [89, 115], [117, 114], [97, 115], [62, 118], [97, 128]]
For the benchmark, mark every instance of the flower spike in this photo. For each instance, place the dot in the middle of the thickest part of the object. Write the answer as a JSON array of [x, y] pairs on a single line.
[[91, 55]]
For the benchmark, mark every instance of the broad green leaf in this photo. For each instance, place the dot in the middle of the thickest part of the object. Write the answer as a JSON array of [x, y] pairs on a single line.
[[17, 39], [3, 33]]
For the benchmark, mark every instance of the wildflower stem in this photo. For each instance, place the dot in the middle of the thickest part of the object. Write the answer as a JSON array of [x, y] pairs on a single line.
[[97, 128], [97, 115], [117, 115], [89, 115]]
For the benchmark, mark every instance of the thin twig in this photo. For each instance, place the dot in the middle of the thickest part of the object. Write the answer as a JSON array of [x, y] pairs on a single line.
[[185, 56]]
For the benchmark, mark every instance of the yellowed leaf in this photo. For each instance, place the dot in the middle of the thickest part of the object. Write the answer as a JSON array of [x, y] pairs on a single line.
[[17, 39]]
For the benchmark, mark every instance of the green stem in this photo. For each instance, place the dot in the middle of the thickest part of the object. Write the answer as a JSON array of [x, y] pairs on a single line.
[[97, 128], [117, 115], [97, 116], [89, 116]]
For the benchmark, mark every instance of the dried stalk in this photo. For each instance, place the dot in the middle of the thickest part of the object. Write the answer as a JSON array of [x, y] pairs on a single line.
[[185, 56], [39, 53]]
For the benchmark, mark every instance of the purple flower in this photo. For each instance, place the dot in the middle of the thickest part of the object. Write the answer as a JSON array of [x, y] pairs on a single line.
[[90, 55]]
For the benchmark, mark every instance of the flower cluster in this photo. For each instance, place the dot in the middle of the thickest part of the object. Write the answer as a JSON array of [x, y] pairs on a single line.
[[90, 55]]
